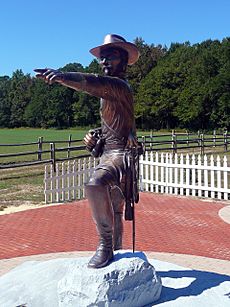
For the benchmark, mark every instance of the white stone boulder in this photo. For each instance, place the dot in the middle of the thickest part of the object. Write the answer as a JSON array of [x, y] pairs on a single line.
[[130, 280]]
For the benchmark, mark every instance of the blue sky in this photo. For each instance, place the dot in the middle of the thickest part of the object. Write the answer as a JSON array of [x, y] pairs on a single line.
[[53, 33]]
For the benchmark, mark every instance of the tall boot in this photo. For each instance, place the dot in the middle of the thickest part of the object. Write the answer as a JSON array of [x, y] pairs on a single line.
[[100, 203], [118, 206]]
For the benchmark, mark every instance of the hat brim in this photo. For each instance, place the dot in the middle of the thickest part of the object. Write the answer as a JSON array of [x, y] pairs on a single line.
[[133, 52]]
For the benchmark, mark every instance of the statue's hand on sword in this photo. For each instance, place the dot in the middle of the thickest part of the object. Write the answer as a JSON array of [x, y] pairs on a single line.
[[90, 141], [131, 142]]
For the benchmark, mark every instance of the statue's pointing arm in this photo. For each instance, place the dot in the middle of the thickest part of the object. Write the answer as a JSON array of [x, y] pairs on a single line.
[[101, 87]]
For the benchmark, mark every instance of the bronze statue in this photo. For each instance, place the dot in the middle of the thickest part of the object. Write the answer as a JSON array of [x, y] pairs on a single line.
[[109, 184]]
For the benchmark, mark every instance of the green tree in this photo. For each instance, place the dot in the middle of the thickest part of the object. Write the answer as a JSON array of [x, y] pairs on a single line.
[[158, 92], [149, 56], [220, 89], [19, 96], [73, 67], [5, 105], [188, 88], [86, 110], [93, 68], [185, 86]]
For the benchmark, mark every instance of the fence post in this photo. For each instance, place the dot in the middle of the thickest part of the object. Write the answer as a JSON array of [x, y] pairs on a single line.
[[151, 140], [174, 142], [40, 140], [46, 184], [214, 138], [53, 155], [187, 138], [202, 144], [225, 165], [198, 137], [69, 145], [226, 140], [143, 142]]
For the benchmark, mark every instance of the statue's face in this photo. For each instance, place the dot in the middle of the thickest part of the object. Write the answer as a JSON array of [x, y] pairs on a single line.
[[111, 61]]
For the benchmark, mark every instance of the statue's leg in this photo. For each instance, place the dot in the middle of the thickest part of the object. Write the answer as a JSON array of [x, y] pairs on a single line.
[[99, 199], [118, 207]]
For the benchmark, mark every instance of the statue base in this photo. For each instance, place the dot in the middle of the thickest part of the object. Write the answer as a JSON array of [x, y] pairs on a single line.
[[129, 280]]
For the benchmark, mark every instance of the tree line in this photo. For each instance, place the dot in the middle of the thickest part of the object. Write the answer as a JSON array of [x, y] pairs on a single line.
[[183, 86]]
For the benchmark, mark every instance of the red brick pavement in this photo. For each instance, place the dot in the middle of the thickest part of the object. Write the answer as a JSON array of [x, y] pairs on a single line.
[[163, 224]]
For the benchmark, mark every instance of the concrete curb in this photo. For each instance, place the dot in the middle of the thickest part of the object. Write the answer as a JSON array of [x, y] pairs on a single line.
[[190, 261], [224, 214]]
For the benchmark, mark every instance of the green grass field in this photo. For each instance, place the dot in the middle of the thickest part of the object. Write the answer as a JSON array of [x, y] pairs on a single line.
[[22, 135], [25, 184]]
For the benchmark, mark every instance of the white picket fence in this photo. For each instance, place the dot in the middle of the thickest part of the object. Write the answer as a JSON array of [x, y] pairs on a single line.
[[67, 183], [194, 175]]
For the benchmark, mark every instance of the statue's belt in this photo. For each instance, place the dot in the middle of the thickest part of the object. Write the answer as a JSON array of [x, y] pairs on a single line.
[[114, 146]]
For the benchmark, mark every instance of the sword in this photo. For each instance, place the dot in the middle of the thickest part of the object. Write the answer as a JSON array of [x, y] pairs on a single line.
[[134, 229], [133, 189]]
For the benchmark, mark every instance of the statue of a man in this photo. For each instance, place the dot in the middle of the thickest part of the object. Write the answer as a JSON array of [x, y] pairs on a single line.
[[106, 188]]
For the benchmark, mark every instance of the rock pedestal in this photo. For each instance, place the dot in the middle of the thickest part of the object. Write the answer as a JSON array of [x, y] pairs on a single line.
[[130, 280]]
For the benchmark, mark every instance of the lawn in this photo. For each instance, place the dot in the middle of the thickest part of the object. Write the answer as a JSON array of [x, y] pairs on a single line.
[[25, 184], [23, 135]]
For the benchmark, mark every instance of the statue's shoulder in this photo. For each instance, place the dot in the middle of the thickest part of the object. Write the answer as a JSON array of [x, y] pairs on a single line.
[[117, 80]]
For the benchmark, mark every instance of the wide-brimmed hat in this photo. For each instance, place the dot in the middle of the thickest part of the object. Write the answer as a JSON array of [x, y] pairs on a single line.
[[113, 40]]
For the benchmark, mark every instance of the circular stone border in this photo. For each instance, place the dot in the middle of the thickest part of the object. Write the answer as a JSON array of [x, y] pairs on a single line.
[[224, 214]]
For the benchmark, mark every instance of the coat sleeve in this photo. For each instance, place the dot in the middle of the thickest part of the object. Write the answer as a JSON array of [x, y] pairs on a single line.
[[108, 88]]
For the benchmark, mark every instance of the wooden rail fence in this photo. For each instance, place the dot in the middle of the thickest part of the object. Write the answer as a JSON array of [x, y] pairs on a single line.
[[184, 141], [43, 152]]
